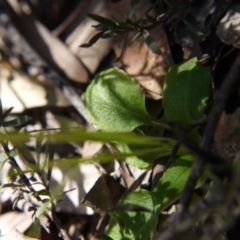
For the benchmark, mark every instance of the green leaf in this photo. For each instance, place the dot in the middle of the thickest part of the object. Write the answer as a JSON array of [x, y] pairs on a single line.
[[136, 36], [186, 92], [145, 160], [137, 225], [104, 21], [192, 28], [172, 183], [133, 187], [43, 209], [129, 208], [80, 135], [93, 40], [152, 44], [13, 152], [3, 157], [115, 102], [142, 225]]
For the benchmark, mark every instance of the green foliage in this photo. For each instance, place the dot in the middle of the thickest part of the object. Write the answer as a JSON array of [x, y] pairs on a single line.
[[140, 24], [115, 102], [142, 225], [135, 225], [186, 92], [108, 101]]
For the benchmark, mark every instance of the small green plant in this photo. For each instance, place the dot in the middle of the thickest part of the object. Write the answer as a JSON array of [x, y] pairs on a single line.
[[116, 106], [115, 102]]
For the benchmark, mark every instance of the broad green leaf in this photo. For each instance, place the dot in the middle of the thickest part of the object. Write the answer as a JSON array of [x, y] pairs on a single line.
[[145, 160], [173, 182], [136, 225], [142, 225], [186, 92], [115, 102]]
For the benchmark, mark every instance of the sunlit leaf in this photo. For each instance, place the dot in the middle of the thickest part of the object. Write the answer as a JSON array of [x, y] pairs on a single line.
[[115, 102], [172, 183], [81, 134], [13, 152], [186, 92], [136, 225], [133, 187], [136, 36], [41, 210], [142, 225], [145, 161], [3, 157]]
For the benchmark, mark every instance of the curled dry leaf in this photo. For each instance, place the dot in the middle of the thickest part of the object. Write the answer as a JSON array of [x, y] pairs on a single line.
[[104, 194], [148, 68]]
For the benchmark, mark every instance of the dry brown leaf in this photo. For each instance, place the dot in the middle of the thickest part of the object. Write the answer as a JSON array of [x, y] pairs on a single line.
[[91, 57], [50, 48], [91, 148], [12, 221], [23, 92], [17, 236], [225, 144], [148, 68], [105, 192]]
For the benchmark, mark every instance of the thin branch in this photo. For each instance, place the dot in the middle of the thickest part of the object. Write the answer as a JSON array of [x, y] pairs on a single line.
[[231, 83]]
